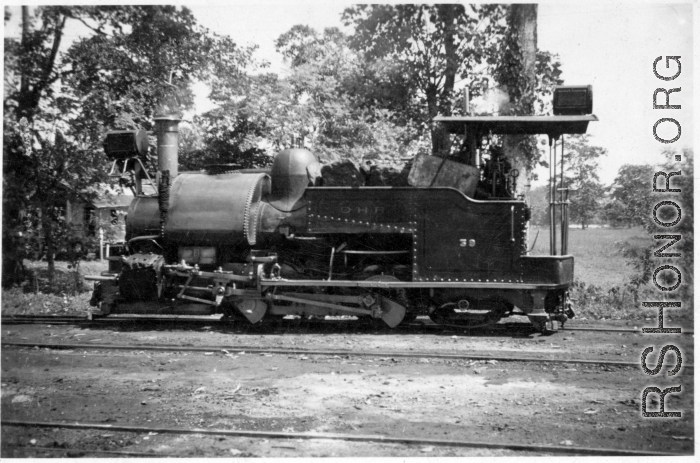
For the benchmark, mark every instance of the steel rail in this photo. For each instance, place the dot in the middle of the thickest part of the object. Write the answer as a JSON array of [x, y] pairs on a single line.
[[259, 350], [346, 437], [36, 322], [72, 453], [43, 317], [39, 319], [29, 320], [619, 330], [524, 326]]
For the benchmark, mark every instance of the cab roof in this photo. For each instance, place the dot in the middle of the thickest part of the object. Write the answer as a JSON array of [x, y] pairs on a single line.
[[521, 125]]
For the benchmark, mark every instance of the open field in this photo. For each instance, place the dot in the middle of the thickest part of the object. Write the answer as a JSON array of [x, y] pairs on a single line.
[[597, 252]]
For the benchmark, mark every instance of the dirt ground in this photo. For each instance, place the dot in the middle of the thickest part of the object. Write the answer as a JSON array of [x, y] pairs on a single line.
[[491, 401]]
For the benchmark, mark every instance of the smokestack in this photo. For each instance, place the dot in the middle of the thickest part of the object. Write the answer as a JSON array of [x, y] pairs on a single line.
[[167, 134]]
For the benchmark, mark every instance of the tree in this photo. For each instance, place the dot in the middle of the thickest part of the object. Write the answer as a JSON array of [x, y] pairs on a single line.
[[585, 202], [41, 167], [613, 213], [581, 174], [223, 137], [341, 95], [133, 60], [438, 47], [644, 260], [631, 193], [143, 60], [322, 104], [527, 75], [434, 45], [32, 60], [37, 181]]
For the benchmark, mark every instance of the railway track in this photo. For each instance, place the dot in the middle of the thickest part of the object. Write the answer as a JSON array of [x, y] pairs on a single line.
[[423, 324], [326, 352], [542, 448], [81, 453]]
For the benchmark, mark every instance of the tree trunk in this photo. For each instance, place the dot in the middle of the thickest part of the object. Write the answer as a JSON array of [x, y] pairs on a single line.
[[26, 99], [438, 135], [441, 104], [522, 24], [47, 228], [24, 82], [522, 20], [30, 95], [13, 271], [447, 17]]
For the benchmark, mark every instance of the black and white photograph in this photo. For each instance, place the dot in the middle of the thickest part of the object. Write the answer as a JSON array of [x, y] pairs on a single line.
[[334, 230]]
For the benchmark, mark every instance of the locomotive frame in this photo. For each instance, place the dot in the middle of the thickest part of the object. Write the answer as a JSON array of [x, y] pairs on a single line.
[[257, 245]]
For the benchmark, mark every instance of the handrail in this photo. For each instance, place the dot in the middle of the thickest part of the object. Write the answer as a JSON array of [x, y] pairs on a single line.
[[552, 196]]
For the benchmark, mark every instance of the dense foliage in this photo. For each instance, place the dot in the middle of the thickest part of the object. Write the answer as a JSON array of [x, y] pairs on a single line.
[[433, 46], [630, 195], [129, 62], [647, 259]]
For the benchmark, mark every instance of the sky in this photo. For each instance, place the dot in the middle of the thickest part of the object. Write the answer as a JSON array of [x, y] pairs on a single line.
[[610, 45]]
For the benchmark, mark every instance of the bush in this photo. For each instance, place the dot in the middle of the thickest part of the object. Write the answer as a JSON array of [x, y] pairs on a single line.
[[68, 295], [67, 279], [621, 303], [15, 301]]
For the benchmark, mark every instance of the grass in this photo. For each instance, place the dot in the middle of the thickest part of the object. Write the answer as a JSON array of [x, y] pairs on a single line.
[[598, 258], [602, 275]]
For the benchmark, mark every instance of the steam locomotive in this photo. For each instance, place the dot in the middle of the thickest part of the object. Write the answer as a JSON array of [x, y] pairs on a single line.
[[256, 244]]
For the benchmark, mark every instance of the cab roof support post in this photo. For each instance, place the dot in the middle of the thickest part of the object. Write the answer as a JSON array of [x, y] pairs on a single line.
[[552, 195], [564, 199]]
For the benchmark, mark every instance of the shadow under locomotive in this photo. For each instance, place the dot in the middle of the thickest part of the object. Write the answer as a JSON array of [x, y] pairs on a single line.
[[259, 245], [304, 326]]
